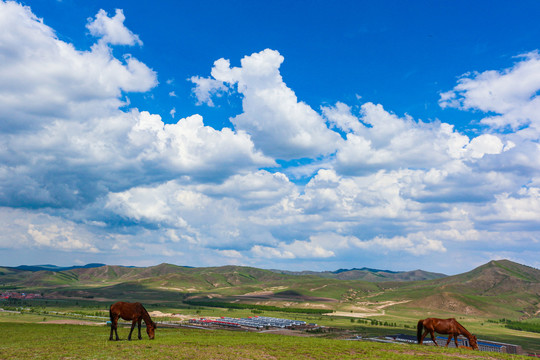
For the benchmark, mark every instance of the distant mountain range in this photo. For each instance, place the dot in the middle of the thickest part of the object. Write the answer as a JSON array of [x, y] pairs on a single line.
[[368, 274], [54, 267], [497, 289]]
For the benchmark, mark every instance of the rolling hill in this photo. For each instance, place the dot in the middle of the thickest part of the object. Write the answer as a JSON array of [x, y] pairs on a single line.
[[498, 288], [371, 275]]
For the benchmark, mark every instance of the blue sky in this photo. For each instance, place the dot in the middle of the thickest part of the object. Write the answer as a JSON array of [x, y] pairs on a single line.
[[304, 135]]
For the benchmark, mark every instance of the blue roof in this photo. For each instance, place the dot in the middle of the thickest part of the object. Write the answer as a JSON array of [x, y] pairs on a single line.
[[489, 344]]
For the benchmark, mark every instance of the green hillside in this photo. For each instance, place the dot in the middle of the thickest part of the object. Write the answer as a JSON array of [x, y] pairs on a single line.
[[371, 275], [497, 289]]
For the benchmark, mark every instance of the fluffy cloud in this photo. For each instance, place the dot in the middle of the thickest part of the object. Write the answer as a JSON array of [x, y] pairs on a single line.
[[522, 207], [237, 208], [69, 143], [381, 140], [278, 123], [252, 190], [296, 249], [27, 230], [80, 173], [511, 93], [69, 163], [486, 144], [206, 88], [192, 148], [43, 79], [112, 30], [416, 244], [340, 116]]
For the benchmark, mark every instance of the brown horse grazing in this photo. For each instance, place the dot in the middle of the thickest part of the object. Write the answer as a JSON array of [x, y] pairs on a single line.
[[131, 311], [444, 326]]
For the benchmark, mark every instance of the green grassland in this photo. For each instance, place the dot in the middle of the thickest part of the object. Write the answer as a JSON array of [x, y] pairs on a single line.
[[478, 299], [499, 288], [392, 322], [30, 341]]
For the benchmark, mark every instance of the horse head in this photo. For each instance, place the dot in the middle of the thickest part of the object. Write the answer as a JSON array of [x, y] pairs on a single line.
[[473, 342], [150, 330]]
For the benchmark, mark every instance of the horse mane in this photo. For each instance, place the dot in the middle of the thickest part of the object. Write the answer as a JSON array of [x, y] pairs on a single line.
[[462, 329], [146, 316]]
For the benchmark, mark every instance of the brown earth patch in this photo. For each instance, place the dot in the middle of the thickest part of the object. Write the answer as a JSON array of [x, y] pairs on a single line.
[[366, 309], [445, 301], [159, 314]]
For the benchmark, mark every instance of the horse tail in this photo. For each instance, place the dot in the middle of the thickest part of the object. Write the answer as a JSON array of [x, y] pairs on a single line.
[[110, 313], [419, 329]]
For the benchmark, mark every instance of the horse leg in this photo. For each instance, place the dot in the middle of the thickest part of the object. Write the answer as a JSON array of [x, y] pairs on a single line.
[[449, 339], [140, 337], [132, 327], [423, 336], [433, 338], [114, 327], [455, 340]]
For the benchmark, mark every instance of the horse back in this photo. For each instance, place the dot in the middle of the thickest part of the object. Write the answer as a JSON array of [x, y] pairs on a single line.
[[441, 326], [127, 311]]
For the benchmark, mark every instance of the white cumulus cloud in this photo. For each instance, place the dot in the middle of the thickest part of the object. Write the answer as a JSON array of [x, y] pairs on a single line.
[[112, 29], [44, 79], [511, 93], [80, 171], [279, 124]]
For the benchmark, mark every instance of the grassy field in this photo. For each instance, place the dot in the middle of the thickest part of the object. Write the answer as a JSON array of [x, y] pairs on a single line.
[[25, 336], [479, 300], [46, 341]]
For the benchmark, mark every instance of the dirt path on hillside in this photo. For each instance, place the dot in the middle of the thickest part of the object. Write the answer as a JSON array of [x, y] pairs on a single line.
[[367, 309], [319, 288], [177, 289], [265, 292]]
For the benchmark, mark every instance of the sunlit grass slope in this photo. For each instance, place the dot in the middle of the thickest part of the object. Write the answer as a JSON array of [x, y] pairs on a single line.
[[31, 341]]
